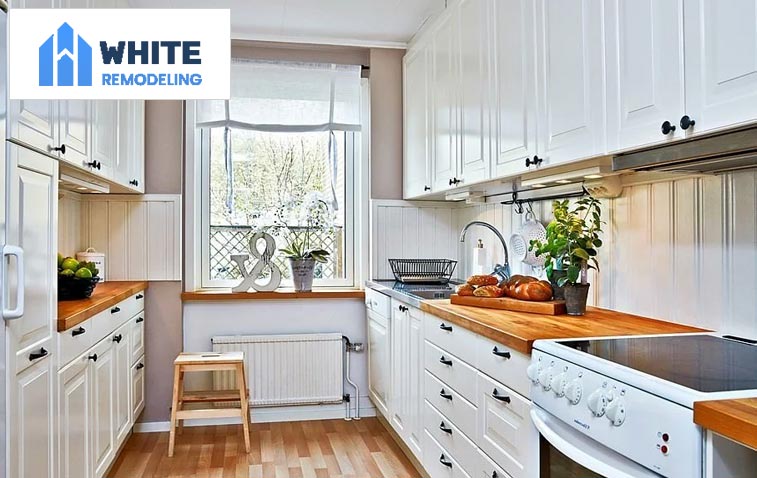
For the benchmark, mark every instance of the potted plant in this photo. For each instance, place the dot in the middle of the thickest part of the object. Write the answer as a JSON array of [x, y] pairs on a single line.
[[300, 251], [571, 246]]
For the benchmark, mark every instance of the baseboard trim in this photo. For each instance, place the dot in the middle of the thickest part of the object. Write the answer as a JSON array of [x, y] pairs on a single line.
[[268, 415], [405, 449]]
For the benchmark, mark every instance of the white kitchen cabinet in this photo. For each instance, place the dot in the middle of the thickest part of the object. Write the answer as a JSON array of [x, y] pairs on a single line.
[[444, 104], [75, 420], [379, 365], [103, 391], [645, 75], [121, 339], [570, 80], [104, 137], [137, 339], [475, 99], [415, 381], [34, 123], [137, 388], [75, 126], [416, 104], [129, 167], [513, 44], [721, 71]]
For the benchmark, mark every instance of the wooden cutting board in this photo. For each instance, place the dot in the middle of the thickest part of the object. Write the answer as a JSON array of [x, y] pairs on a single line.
[[551, 307]]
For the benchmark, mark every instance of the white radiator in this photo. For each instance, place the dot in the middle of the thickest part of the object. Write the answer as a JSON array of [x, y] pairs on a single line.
[[286, 369]]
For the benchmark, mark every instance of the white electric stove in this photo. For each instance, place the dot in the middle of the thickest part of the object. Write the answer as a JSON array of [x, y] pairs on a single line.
[[623, 407]]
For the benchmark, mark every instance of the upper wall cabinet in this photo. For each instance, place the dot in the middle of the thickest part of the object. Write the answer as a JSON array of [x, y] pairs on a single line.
[[570, 81], [444, 104], [416, 104], [721, 63], [644, 47]]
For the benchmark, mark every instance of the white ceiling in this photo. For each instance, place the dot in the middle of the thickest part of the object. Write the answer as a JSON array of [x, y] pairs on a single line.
[[341, 22]]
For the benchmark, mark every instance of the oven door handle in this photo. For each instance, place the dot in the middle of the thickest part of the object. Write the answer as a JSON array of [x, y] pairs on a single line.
[[585, 451]]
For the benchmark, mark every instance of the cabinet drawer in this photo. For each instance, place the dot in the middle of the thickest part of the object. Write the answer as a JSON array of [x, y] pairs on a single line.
[[505, 430], [451, 370], [488, 469], [452, 338], [378, 302], [504, 365], [74, 341], [137, 388], [451, 438], [137, 339], [435, 457], [133, 304], [455, 407]]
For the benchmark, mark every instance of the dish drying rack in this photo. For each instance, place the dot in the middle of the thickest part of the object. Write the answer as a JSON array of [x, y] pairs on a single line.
[[425, 271]]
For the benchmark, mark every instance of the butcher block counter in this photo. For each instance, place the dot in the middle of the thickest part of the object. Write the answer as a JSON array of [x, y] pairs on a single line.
[[105, 295], [735, 419], [519, 330]]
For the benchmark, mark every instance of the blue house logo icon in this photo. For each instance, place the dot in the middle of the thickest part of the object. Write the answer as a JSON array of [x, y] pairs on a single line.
[[65, 59]]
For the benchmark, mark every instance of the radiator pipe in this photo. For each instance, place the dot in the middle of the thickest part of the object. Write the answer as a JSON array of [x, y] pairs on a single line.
[[348, 347]]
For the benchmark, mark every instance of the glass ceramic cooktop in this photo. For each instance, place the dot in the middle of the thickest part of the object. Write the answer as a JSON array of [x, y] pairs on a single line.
[[701, 362]]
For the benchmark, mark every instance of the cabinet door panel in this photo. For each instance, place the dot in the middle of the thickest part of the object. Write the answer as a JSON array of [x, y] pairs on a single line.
[[444, 106], [75, 420], [137, 388], [400, 351], [378, 360], [570, 79], [34, 122], [721, 62], [644, 69], [105, 136], [75, 122], [415, 380], [416, 104], [122, 383], [103, 374]]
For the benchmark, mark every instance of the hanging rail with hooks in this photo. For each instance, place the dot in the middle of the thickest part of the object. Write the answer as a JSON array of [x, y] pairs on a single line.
[[518, 202]]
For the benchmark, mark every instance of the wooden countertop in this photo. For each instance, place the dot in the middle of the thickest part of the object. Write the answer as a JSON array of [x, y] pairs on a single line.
[[285, 294], [735, 419], [105, 296], [519, 330]]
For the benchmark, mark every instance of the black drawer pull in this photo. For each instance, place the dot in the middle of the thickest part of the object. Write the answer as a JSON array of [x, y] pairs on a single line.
[[140, 366], [117, 338], [445, 361], [38, 355], [494, 474], [403, 308], [496, 352], [93, 357], [115, 310], [61, 149], [140, 296], [444, 462], [78, 331], [501, 398], [445, 429], [444, 394], [140, 319], [446, 327]]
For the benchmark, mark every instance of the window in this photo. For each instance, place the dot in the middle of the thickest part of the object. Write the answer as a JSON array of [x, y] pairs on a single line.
[[288, 139]]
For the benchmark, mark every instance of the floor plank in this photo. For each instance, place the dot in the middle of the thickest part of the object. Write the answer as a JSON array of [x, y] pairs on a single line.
[[316, 449]]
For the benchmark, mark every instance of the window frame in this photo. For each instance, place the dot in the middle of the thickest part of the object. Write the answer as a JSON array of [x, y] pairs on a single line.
[[352, 155]]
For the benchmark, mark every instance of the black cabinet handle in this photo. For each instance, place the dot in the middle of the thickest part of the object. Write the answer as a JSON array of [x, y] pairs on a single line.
[[402, 308], [61, 149], [494, 474], [446, 327], [501, 398], [427, 188], [687, 122], [140, 296], [134, 182], [117, 338], [38, 355], [115, 310], [445, 395], [140, 319], [445, 429], [93, 357], [78, 331], [534, 162], [445, 361], [667, 128], [496, 352], [444, 462], [140, 366]]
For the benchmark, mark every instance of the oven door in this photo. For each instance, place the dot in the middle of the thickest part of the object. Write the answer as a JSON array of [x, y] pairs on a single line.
[[567, 453]]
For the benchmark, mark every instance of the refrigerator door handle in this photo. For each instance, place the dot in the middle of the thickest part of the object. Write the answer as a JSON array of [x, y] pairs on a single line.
[[18, 253]]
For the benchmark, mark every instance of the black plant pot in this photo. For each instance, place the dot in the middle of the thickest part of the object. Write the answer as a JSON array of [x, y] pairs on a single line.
[[575, 298], [558, 293]]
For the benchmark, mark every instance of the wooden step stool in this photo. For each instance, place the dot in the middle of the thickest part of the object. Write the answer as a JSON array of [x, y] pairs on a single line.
[[209, 362]]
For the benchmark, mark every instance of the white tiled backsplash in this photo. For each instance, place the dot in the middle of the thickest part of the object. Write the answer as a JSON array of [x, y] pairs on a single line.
[[683, 250]]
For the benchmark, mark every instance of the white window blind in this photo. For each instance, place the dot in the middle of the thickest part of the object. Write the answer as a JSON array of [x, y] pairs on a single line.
[[287, 97]]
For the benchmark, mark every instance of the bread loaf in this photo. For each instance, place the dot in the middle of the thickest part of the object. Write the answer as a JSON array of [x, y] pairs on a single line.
[[528, 288], [489, 291], [465, 290], [480, 280]]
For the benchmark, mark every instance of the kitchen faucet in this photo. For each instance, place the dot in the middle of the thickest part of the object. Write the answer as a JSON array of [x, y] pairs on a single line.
[[503, 271]]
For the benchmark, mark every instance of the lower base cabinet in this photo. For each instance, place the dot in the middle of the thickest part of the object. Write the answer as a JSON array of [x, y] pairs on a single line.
[[138, 388], [103, 391], [75, 383]]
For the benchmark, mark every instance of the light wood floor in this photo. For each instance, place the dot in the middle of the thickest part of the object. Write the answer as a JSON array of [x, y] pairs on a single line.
[[314, 449]]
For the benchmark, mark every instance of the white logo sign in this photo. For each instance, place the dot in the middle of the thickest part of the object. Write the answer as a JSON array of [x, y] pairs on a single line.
[[115, 54]]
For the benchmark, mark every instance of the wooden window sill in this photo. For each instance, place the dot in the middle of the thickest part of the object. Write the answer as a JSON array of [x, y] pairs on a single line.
[[282, 294]]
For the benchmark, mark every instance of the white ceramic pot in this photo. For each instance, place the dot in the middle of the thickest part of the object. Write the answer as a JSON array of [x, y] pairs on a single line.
[[91, 255]]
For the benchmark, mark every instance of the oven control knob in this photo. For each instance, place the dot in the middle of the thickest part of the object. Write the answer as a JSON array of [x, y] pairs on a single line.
[[545, 378], [616, 412], [558, 384], [574, 391], [533, 372], [597, 402]]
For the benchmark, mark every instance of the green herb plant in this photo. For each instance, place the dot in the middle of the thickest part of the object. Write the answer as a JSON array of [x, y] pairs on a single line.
[[572, 240]]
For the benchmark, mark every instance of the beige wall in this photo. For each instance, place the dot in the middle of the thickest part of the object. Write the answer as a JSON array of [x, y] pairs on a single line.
[[386, 123], [163, 326]]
